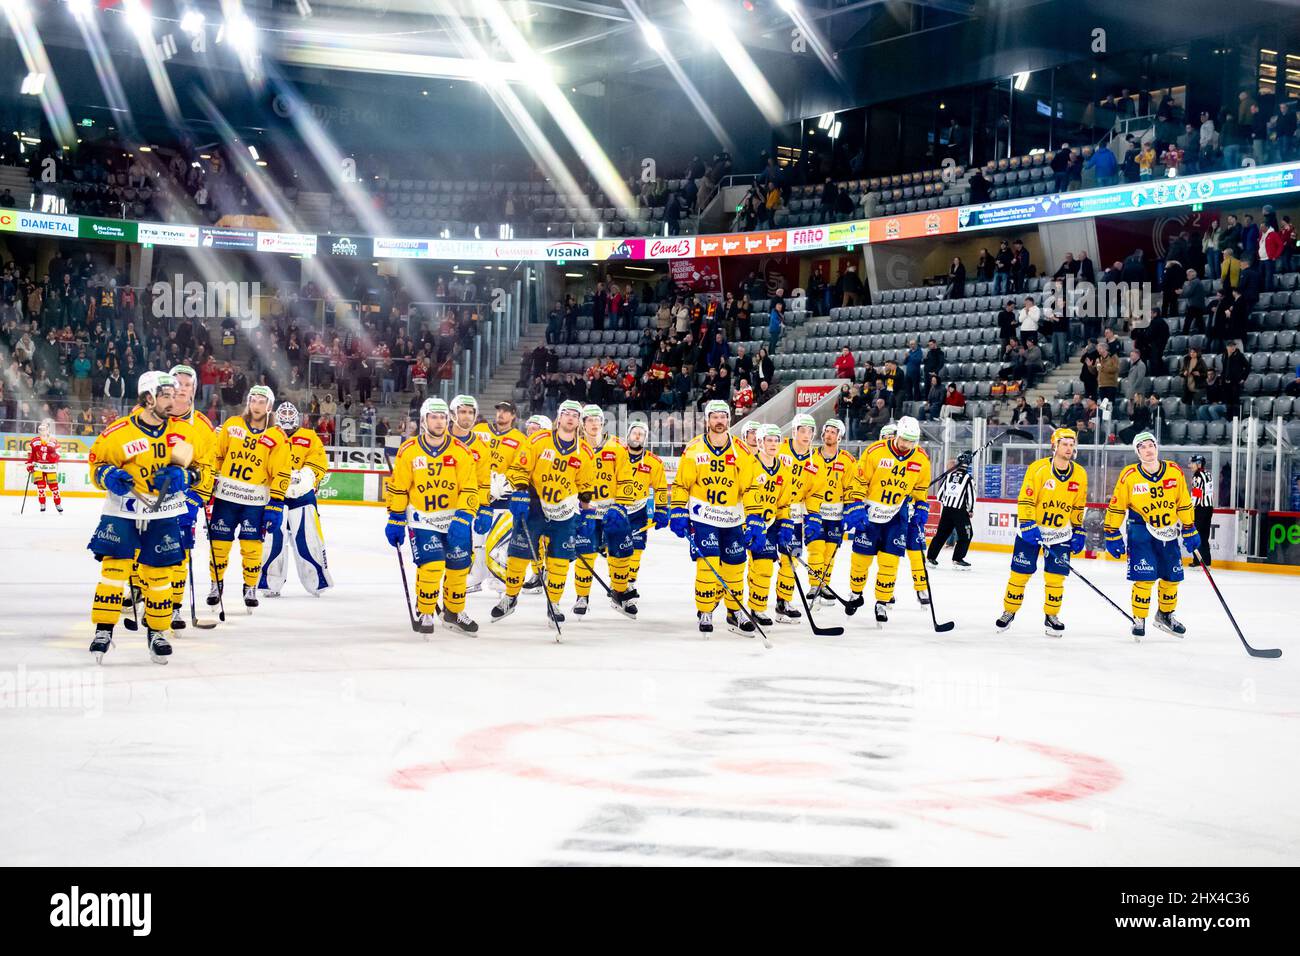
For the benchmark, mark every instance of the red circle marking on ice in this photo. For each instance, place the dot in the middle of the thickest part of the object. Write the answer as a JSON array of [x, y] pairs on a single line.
[[487, 750]]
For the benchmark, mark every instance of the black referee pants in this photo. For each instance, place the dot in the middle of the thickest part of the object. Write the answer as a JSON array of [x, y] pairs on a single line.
[[950, 520], [1204, 517]]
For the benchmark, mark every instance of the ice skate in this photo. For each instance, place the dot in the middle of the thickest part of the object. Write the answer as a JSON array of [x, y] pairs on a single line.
[[250, 599], [159, 649], [268, 593], [1139, 628], [101, 642], [461, 622], [740, 624], [705, 619], [932, 562], [580, 607], [178, 619], [505, 607], [424, 623], [59, 508], [1166, 621], [760, 618], [961, 564], [554, 615], [533, 585], [214, 595], [785, 614], [622, 602], [882, 613], [1004, 622], [924, 598], [1052, 626], [855, 601]]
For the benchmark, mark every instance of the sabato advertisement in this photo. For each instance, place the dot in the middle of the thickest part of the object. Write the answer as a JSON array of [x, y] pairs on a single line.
[[1238, 185]]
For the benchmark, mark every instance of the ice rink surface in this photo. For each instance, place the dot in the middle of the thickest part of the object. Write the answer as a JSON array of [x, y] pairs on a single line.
[[323, 731]]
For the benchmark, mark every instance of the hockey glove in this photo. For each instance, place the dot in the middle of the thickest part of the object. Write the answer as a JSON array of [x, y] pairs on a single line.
[[812, 528], [785, 535], [395, 530], [171, 479], [483, 521], [587, 526], [755, 532], [272, 516], [920, 515], [1078, 541], [519, 505], [30, 467], [116, 480], [1191, 540], [661, 519], [679, 521], [1114, 543], [458, 534], [855, 517], [616, 524], [1031, 534]]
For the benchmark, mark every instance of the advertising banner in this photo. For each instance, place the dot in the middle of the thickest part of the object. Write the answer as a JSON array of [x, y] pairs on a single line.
[[16, 443], [915, 225], [40, 223], [342, 486], [670, 247], [386, 248], [74, 477], [356, 459], [347, 247], [159, 234], [1280, 536], [848, 233], [807, 237], [806, 396], [116, 230], [217, 237], [697, 275], [291, 243]]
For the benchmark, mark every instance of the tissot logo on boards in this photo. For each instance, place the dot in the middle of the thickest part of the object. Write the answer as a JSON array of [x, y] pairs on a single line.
[[102, 910]]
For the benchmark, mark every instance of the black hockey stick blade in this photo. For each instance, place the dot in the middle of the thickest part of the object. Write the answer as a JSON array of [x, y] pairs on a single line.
[[1100, 593], [204, 624], [1019, 433], [946, 626], [1267, 652], [834, 631], [849, 606]]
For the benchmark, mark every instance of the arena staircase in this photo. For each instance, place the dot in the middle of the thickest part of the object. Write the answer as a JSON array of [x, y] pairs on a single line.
[[16, 180], [501, 386], [1069, 372]]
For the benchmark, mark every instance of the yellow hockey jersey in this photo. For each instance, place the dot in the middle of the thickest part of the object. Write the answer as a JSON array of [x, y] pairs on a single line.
[[505, 449], [641, 477], [557, 471], [430, 483], [141, 450], [308, 463], [712, 483], [836, 476], [480, 448], [806, 475], [608, 460], [252, 467], [1161, 501], [772, 497], [886, 480], [1053, 500], [205, 450]]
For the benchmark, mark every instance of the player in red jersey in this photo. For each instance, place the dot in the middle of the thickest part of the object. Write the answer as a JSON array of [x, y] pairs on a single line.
[[43, 465]]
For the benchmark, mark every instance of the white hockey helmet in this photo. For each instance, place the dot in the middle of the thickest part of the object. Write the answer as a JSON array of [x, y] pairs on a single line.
[[751, 426], [287, 417], [1141, 437], [541, 421], [461, 400], [45, 427], [264, 391], [433, 406], [151, 382], [716, 405], [888, 431], [836, 424], [769, 431], [184, 370], [593, 411], [640, 426], [802, 420], [909, 429]]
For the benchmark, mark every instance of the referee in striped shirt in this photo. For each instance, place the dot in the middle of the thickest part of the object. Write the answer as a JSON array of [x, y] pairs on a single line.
[[957, 495]]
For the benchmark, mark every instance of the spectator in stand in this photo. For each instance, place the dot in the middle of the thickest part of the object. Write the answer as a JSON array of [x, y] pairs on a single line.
[[719, 351], [1061, 168], [1230, 270], [845, 364], [744, 365], [1075, 414], [1003, 261], [1193, 373], [1107, 374], [877, 418], [979, 187], [1021, 414], [764, 371], [1034, 365], [1284, 126], [554, 324], [954, 402], [1020, 265], [1027, 320], [1215, 408], [849, 286], [1104, 166], [829, 200], [912, 362], [1258, 136], [1270, 248], [1193, 295], [956, 279], [775, 324], [984, 267], [934, 397], [1069, 267], [1249, 237], [673, 213], [1007, 322], [1137, 373], [570, 321], [1235, 371], [934, 359], [599, 305], [743, 402]]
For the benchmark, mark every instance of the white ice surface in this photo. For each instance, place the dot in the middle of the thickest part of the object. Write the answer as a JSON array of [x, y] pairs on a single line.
[[323, 731]]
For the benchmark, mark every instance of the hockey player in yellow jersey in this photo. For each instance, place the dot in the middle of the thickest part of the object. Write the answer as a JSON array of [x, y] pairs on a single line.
[[771, 500], [299, 535], [199, 494], [252, 476], [640, 502], [824, 526], [1049, 510], [464, 415], [608, 455], [886, 498], [1152, 503], [132, 462], [535, 423], [505, 439], [710, 510], [552, 478], [432, 496], [806, 477], [915, 544]]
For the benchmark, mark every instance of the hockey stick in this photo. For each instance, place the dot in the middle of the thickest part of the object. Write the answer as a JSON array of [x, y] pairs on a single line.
[[206, 623], [741, 604], [1017, 432], [212, 556], [541, 573], [598, 579], [26, 487], [1252, 651], [849, 606], [1128, 617], [134, 623], [834, 631], [406, 589], [946, 626]]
